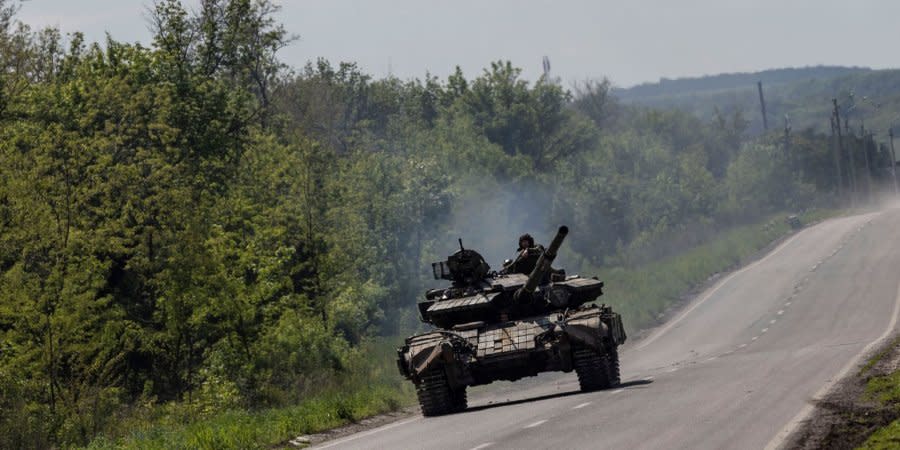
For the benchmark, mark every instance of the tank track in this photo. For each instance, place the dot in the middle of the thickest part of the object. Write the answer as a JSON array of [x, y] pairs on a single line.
[[436, 397], [596, 371]]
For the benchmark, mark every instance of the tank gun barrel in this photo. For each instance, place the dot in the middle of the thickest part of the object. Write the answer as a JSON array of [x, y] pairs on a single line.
[[542, 268]]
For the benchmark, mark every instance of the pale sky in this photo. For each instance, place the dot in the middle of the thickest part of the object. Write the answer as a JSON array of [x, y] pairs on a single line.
[[627, 41]]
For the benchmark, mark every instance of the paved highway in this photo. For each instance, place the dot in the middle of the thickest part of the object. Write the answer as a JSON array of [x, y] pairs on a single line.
[[737, 368]]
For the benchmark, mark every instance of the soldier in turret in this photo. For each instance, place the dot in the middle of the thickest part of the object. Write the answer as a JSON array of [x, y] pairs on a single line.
[[527, 257]]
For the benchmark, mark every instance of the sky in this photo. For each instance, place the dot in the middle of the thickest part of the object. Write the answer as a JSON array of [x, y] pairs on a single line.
[[629, 42]]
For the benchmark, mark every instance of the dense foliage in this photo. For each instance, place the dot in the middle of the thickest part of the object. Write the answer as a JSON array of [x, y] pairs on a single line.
[[194, 222]]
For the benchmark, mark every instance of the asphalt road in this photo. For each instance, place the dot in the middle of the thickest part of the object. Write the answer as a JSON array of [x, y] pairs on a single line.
[[736, 369]]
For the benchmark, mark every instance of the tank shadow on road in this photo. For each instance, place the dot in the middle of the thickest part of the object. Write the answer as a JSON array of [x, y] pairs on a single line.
[[633, 383], [625, 385]]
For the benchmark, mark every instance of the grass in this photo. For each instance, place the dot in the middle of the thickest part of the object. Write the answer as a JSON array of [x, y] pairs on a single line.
[[885, 438], [641, 295], [264, 429], [376, 389], [885, 390]]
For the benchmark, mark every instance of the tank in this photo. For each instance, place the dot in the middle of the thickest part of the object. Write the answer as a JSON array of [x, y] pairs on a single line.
[[520, 321]]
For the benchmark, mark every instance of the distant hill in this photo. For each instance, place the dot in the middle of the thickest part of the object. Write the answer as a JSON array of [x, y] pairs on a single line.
[[669, 87], [804, 94]]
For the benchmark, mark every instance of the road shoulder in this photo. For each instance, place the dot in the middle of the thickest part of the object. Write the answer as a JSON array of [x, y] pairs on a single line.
[[855, 409]]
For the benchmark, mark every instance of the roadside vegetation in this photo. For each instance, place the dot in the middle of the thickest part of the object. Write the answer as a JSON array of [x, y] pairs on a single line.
[[371, 388], [883, 389], [192, 232]]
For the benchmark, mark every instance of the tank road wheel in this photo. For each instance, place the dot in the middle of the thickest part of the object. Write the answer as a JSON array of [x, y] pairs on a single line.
[[436, 397], [596, 371]]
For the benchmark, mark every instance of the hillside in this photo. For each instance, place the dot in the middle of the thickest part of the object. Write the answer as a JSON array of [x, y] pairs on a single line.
[[680, 86], [802, 94]]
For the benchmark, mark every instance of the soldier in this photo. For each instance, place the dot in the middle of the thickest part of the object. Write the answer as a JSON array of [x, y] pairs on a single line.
[[526, 258]]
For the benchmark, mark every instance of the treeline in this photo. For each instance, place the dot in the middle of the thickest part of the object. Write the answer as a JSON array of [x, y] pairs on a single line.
[[725, 81], [194, 223], [802, 97]]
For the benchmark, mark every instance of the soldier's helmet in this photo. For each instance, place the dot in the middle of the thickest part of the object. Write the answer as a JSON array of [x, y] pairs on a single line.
[[525, 238]]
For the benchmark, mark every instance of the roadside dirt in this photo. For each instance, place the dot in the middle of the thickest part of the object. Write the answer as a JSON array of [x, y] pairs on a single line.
[[351, 428], [844, 419]]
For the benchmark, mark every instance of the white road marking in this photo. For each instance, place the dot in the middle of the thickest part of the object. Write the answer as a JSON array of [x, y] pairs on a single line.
[[780, 312], [616, 391], [712, 358], [712, 291], [536, 424], [787, 303], [764, 330], [772, 322], [742, 345], [672, 370], [581, 405], [369, 433], [485, 445], [780, 437], [754, 338]]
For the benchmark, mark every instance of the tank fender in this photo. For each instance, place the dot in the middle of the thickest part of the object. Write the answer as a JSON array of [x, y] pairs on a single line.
[[441, 352], [587, 330]]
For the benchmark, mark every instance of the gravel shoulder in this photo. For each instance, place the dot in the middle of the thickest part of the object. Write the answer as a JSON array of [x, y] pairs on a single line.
[[846, 417]]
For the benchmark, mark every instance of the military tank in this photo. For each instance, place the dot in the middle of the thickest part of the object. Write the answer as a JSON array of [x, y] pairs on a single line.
[[526, 319]]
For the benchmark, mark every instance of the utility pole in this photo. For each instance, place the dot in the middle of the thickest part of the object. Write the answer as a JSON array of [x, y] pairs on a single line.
[[851, 158], [787, 141], [762, 104], [865, 147], [837, 118], [893, 159], [837, 160]]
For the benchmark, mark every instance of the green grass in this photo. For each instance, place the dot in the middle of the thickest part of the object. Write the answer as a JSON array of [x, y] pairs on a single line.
[[264, 429], [376, 388], [885, 390], [884, 438]]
